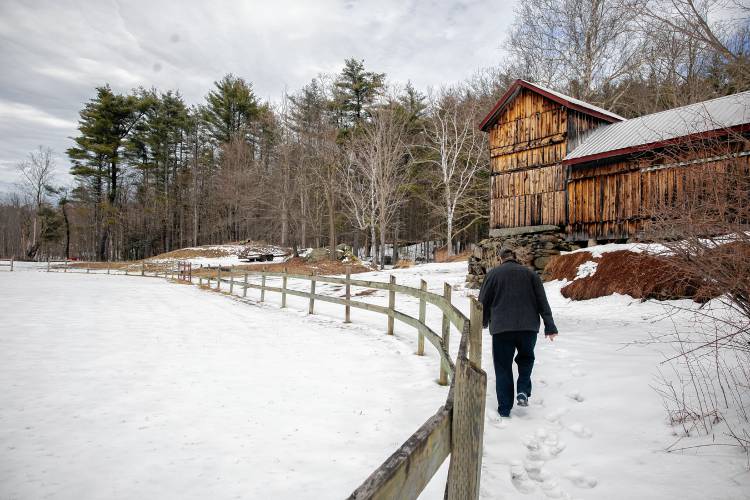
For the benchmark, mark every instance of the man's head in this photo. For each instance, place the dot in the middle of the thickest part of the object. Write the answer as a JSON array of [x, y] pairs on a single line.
[[507, 254]]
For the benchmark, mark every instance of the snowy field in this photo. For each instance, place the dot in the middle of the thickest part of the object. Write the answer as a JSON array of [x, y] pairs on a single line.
[[125, 387]]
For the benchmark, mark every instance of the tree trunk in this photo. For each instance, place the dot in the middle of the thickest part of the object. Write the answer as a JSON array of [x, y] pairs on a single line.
[[449, 233], [331, 222], [67, 232], [382, 244]]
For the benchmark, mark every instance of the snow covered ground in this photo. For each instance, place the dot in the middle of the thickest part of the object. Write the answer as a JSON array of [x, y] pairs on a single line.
[[129, 387], [132, 386]]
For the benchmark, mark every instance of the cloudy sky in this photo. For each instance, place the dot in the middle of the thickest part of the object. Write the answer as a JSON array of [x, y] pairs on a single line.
[[53, 53]]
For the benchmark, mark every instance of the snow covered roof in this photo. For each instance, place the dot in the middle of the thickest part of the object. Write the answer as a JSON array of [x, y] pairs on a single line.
[[565, 100], [652, 130]]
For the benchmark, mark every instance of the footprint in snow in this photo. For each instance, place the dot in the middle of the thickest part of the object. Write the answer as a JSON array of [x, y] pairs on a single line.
[[520, 478], [578, 373], [552, 490], [556, 415], [543, 445], [581, 480], [499, 422], [536, 471], [580, 430], [576, 396]]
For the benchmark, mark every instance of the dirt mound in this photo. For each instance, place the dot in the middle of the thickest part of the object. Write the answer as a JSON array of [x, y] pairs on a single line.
[[565, 267], [641, 276], [295, 265]]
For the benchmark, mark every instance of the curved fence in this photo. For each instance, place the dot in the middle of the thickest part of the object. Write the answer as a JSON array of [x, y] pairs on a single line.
[[456, 428]]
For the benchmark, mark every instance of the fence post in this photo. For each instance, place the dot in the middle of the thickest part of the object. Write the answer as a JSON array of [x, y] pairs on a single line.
[[465, 468], [231, 279], [312, 293], [190, 272], [88, 270], [263, 285], [348, 286], [443, 380], [391, 305], [218, 278], [200, 280], [48, 263], [283, 289], [109, 264], [244, 286], [143, 269], [475, 333], [66, 265], [422, 317], [11, 262]]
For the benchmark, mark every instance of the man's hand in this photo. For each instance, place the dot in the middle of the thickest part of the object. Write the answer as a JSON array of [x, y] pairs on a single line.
[[551, 337]]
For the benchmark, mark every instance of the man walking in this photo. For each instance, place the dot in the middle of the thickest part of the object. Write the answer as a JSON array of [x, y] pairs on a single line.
[[513, 298]]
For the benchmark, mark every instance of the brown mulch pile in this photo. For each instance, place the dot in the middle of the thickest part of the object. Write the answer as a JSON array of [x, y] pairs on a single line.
[[639, 275], [565, 267], [644, 276]]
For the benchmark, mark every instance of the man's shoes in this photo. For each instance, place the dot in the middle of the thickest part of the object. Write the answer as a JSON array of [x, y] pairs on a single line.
[[522, 399], [504, 414]]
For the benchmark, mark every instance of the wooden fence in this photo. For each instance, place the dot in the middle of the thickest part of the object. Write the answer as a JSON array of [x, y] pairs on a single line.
[[457, 427]]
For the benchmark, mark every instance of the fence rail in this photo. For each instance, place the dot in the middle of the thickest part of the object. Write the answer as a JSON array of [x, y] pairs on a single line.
[[456, 429]]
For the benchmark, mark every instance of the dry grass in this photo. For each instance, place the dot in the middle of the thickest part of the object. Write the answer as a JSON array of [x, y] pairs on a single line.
[[295, 265], [441, 255], [404, 264]]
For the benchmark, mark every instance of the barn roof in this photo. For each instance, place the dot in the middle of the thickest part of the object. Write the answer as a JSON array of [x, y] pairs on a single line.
[[565, 100], [665, 127]]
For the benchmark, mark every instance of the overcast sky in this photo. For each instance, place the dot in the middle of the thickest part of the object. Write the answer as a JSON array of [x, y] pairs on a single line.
[[53, 53]]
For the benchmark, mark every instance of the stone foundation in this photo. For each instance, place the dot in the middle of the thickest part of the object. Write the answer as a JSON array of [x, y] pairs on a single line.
[[534, 246]]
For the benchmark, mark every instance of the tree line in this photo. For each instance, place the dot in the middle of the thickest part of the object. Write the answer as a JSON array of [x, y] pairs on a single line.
[[351, 157]]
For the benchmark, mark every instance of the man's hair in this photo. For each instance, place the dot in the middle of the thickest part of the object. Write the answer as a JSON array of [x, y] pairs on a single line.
[[507, 254]]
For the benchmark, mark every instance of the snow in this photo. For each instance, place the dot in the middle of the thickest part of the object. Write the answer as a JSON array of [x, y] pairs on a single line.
[[231, 255], [130, 387], [586, 269], [599, 250], [239, 403]]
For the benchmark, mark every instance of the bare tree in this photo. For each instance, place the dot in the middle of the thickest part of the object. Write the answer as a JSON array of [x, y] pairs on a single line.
[[382, 157], [457, 151], [587, 44], [359, 200], [704, 227], [37, 172]]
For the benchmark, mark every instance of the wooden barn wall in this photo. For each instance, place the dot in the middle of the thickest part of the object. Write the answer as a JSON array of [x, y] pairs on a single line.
[[579, 127], [617, 200], [527, 145]]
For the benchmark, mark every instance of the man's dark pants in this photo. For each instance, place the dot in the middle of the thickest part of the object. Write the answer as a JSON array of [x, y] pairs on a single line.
[[504, 346]]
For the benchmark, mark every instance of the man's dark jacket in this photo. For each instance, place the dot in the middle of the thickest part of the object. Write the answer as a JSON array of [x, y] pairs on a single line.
[[513, 298]]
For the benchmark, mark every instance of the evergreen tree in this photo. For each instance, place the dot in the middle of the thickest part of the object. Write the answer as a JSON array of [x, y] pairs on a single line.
[[105, 122], [230, 108], [356, 90]]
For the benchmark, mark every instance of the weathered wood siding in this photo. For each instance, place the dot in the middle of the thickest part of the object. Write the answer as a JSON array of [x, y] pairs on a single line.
[[527, 145], [617, 200]]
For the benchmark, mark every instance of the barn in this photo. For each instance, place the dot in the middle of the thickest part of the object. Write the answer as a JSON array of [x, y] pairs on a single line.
[[565, 172]]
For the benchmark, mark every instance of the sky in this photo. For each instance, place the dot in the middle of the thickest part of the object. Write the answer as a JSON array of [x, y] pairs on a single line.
[[54, 53]]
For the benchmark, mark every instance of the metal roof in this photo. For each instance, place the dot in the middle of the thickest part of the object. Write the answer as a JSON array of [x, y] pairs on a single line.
[[562, 99], [663, 127], [577, 102]]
